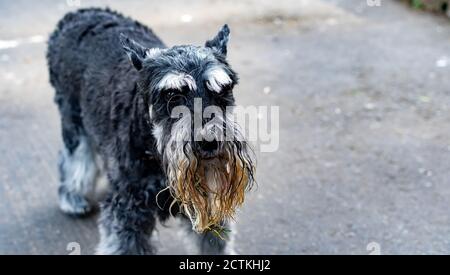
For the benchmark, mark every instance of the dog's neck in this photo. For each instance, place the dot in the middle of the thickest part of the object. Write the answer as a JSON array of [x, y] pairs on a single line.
[[141, 128]]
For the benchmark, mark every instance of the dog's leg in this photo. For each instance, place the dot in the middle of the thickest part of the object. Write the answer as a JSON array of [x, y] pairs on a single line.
[[126, 225], [78, 172], [77, 168], [209, 243]]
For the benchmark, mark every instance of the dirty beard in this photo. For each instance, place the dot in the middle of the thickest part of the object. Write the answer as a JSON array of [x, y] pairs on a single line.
[[209, 191]]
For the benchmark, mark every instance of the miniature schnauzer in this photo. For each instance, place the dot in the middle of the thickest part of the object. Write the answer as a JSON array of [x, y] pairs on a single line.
[[130, 111]]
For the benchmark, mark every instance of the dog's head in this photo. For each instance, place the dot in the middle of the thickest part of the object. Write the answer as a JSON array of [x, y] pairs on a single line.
[[208, 163]]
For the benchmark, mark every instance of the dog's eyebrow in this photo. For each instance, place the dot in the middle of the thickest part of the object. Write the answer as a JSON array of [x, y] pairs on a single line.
[[177, 80], [216, 78], [154, 52]]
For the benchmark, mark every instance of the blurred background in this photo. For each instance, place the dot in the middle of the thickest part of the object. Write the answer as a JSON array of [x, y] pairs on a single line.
[[363, 88]]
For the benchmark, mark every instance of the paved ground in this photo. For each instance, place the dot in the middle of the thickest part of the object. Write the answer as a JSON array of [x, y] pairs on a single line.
[[364, 151]]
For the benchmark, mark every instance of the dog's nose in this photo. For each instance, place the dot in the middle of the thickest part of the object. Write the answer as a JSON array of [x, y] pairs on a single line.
[[208, 148]]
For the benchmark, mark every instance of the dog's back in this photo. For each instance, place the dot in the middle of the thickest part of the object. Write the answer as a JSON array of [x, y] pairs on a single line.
[[88, 40], [95, 92], [87, 65]]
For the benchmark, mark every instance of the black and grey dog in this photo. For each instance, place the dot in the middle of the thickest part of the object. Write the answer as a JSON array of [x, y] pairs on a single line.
[[128, 111]]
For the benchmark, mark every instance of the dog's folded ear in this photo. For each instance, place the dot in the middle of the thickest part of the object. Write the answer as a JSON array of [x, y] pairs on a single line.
[[220, 41], [135, 51]]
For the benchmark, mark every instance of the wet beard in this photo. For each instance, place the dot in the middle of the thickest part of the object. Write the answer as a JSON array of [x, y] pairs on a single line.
[[209, 191]]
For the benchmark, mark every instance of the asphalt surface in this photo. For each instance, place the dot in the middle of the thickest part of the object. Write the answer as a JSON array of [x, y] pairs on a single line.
[[364, 154]]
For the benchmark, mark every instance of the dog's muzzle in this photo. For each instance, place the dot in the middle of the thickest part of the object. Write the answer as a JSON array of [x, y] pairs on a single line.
[[208, 179], [207, 149]]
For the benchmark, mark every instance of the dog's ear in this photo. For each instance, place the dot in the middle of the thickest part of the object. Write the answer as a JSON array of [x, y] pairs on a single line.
[[220, 41], [135, 51]]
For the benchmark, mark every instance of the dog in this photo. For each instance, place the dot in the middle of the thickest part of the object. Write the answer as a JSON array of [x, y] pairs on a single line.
[[156, 122]]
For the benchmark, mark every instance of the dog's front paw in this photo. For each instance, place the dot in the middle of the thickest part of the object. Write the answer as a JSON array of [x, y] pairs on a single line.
[[73, 203]]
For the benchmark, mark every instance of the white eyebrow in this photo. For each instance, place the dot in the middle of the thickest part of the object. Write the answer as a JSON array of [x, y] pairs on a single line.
[[177, 81], [154, 52], [216, 79]]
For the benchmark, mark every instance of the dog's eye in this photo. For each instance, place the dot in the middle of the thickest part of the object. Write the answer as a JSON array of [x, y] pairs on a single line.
[[225, 90], [174, 98], [170, 93]]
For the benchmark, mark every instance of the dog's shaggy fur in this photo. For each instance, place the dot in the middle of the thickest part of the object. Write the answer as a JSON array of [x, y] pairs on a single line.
[[117, 86]]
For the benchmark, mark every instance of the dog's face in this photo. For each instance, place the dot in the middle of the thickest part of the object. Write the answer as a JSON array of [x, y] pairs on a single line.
[[208, 163]]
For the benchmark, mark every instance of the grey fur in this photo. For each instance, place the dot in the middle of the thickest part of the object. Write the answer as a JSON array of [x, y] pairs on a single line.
[[78, 173], [107, 72]]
